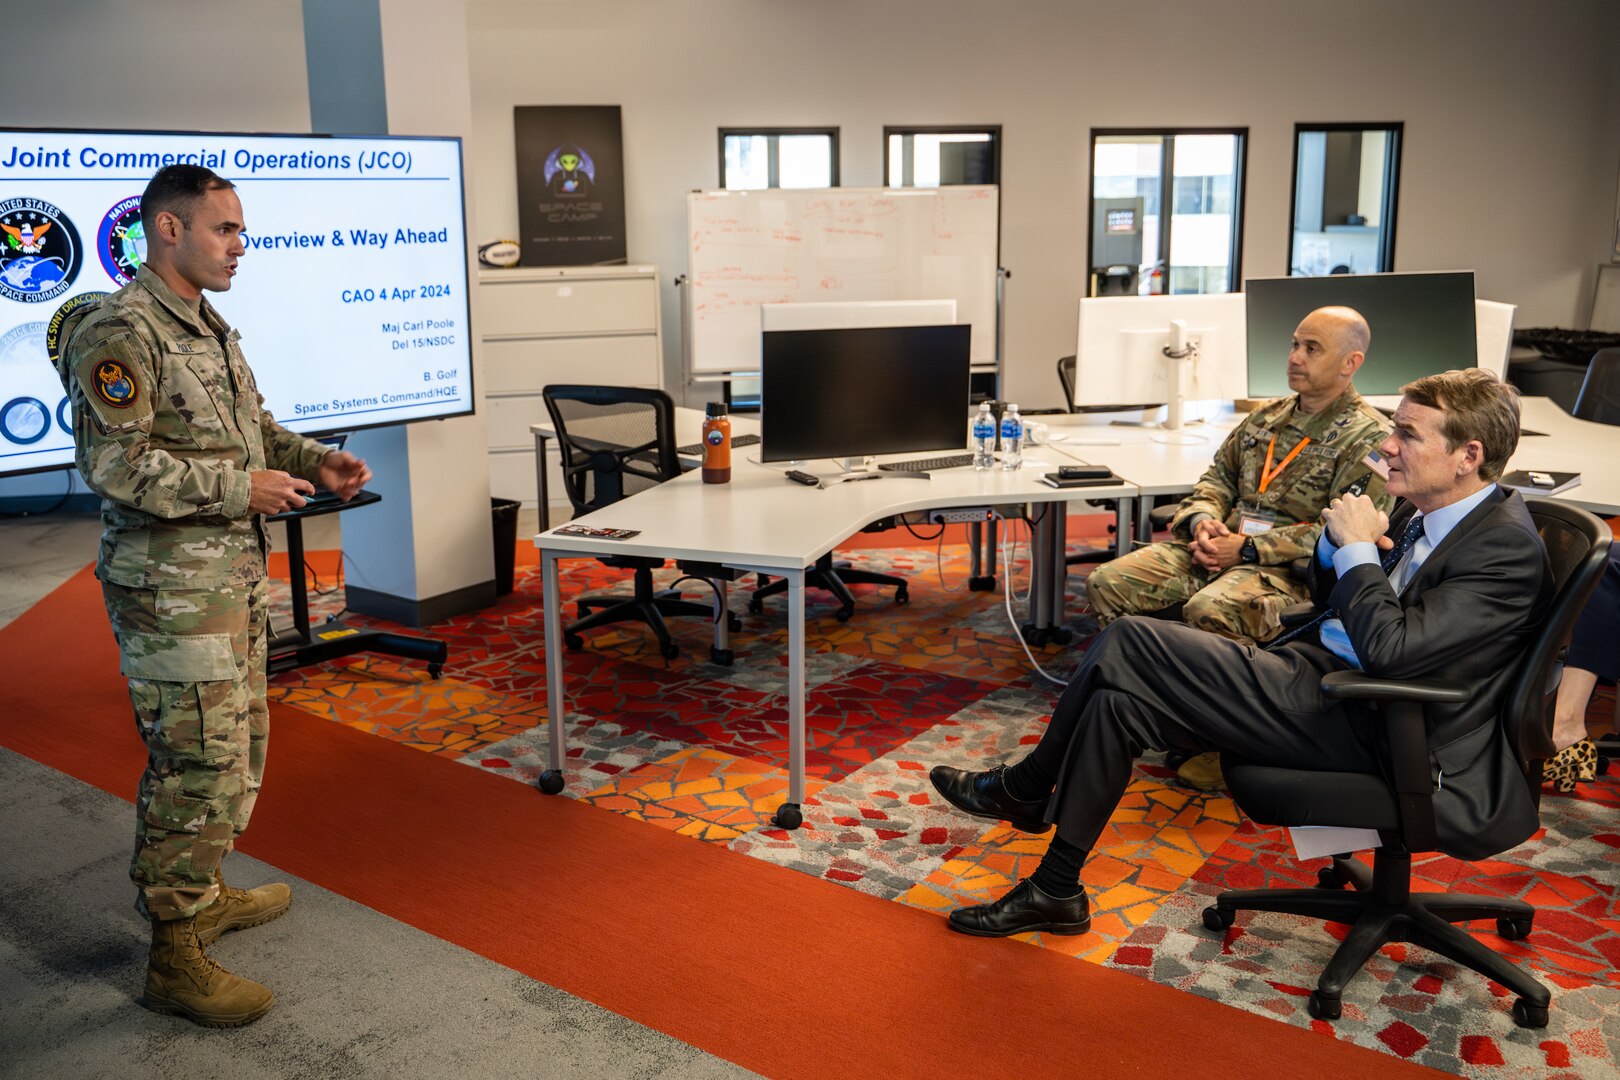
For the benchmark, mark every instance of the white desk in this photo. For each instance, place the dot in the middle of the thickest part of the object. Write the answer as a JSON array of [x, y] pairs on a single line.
[[1157, 468], [1572, 445], [1143, 456], [762, 522]]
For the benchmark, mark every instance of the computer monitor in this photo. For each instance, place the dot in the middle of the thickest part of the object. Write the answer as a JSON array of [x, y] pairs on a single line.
[[1421, 323], [855, 392], [1121, 360]]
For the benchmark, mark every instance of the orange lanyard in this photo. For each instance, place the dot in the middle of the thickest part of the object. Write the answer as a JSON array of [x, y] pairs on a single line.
[[1267, 473]]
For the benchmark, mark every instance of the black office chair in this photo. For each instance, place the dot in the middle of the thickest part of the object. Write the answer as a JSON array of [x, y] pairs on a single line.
[[836, 578], [1599, 399], [617, 441], [1383, 908]]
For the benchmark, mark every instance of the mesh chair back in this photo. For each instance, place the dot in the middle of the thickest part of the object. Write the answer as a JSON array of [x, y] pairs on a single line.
[[1578, 550], [1065, 368], [615, 441], [1599, 400]]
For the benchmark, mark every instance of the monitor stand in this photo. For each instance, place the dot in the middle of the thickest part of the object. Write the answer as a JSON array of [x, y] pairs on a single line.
[[1178, 357]]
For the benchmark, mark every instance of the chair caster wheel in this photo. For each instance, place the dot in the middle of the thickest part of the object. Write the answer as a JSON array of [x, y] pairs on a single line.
[[574, 642], [723, 657], [1328, 878], [1325, 1006], [669, 651], [733, 623], [1062, 635], [1514, 930], [981, 584], [843, 614], [436, 671], [551, 782], [756, 607], [902, 596], [1218, 919], [787, 816], [1527, 1014]]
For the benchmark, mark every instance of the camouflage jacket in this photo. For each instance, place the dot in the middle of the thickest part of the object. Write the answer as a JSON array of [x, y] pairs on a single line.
[[168, 423], [1340, 435]]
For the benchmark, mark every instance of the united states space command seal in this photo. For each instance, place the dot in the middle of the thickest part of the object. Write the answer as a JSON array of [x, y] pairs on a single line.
[[115, 384], [121, 241], [40, 252]]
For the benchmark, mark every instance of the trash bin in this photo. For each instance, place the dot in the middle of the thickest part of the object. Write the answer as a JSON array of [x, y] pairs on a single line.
[[504, 521]]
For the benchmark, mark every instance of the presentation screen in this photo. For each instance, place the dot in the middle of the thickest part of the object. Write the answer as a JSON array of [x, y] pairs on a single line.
[[1421, 323], [351, 299]]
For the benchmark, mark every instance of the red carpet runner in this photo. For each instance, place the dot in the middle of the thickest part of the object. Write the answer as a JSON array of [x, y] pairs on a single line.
[[772, 969]]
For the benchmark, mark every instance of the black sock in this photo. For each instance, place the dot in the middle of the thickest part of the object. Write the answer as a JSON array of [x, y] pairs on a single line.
[[1026, 781], [1058, 876]]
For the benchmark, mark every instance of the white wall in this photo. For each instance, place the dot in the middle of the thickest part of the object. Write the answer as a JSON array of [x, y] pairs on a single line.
[[237, 65], [227, 65], [1510, 109]]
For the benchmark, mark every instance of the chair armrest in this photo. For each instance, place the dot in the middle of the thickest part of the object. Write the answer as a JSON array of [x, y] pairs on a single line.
[[1359, 686], [1406, 738]]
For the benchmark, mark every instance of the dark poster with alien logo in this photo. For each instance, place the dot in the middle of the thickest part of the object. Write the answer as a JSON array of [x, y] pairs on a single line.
[[570, 178]]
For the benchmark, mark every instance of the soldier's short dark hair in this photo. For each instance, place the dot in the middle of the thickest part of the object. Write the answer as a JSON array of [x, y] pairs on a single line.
[[176, 188], [1476, 405]]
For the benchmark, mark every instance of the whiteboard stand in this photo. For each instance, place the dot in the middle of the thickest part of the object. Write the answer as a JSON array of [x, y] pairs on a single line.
[[691, 377]]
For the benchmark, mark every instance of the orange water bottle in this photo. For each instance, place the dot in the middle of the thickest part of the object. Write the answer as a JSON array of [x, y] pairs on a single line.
[[716, 444]]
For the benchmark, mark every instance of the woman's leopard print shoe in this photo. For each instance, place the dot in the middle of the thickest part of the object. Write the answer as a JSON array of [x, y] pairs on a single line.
[[1570, 765]]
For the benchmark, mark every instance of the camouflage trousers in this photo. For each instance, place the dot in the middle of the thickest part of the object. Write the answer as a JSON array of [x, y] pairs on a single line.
[[1244, 603], [195, 660]]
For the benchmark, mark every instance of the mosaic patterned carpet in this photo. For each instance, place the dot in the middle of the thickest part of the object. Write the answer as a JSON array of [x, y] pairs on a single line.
[[699, 749]]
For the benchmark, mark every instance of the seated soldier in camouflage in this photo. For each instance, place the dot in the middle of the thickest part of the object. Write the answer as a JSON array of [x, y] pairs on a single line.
[[1258, 506]]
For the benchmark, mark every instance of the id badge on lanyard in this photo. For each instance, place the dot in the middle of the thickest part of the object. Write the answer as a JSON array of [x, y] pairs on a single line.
[[1255, 522]]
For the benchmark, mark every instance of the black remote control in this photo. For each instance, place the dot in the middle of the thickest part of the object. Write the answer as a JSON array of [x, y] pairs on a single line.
[[803, 478]]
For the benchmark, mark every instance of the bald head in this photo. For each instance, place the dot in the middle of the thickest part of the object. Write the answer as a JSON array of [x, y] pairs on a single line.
[[1354, 334], [1328, 348]]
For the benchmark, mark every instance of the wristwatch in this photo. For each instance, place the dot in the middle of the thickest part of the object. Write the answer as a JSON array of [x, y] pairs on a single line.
[[1247, 553]]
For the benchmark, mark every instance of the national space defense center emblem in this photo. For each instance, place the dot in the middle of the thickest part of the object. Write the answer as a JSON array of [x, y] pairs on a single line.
[[40, 251], [121, 241]]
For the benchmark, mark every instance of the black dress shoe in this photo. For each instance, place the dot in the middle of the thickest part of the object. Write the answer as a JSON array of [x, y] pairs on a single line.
[[983, 794], [1024, 909]]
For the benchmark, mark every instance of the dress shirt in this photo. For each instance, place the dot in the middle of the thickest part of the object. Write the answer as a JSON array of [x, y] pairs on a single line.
[[1436, 526]]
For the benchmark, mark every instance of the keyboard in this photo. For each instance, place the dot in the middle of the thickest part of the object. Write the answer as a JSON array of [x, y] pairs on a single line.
[[928, 464], [694, 449]]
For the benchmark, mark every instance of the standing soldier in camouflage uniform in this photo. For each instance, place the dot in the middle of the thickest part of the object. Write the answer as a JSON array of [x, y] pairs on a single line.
[[172, 434], [1258, 506]]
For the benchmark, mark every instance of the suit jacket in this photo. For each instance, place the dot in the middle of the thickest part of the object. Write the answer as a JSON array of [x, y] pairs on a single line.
[[1468, 615]]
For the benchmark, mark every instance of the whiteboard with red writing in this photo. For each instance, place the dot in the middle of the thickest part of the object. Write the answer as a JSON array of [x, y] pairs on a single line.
[[747, 248]]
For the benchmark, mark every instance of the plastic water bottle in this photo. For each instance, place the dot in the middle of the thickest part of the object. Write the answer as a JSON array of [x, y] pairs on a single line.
[[984, 438], [1012, 439]]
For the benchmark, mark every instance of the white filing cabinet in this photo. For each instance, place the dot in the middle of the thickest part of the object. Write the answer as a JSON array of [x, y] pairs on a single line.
[[570, 324]]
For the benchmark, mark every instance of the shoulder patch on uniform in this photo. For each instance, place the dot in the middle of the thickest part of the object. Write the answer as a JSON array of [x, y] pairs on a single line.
[[116, 384]]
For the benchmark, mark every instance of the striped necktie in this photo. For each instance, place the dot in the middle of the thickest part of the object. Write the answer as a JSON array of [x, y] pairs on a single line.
[[1391, 559]]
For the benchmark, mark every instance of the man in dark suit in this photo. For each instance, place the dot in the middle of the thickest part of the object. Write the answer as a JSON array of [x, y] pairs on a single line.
[[1454, 582]]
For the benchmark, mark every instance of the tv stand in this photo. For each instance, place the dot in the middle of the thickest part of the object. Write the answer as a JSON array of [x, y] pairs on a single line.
[[302, 645]]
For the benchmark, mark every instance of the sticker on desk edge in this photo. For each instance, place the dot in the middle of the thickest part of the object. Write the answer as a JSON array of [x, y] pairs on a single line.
[[595, 533]]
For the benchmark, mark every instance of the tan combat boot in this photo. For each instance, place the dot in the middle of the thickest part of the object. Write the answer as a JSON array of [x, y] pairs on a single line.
[[182, 981], [1202, 772], [238, 909]]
